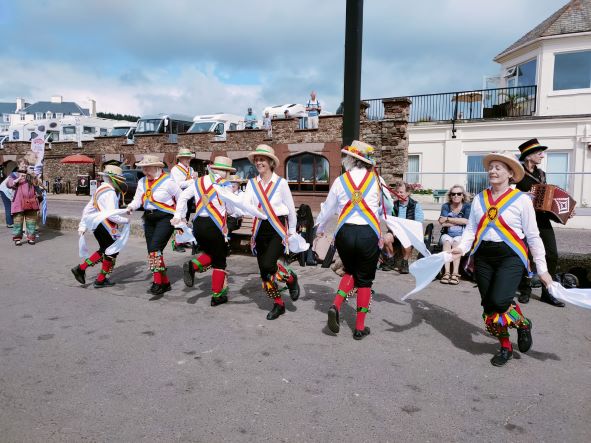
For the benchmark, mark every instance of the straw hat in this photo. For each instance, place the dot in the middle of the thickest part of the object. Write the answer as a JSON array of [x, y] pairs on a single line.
[[114, 172], [235, 179], [184, 152], [361, 151], [265, 151], [509, 160], [222, 163], [150, 160]]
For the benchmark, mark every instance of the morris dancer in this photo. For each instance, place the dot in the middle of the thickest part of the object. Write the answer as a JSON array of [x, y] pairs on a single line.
[[158, 194], [209, 228], [500, 220], [532, 154], [356, 195], [106, 198], [271, 194], [184, 176]]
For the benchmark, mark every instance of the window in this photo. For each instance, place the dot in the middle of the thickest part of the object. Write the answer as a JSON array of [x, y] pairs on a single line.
[[557, 169], [572, 70], [103, 132], [38, 115], [219, 129], [48, 114], [307, 172], [59, 115], [23, 115], [233, 126], [412, 175], [477, 176], [88, 130], [69, 130], [6, 118], [15, 135], [244, 168], [522, 75]]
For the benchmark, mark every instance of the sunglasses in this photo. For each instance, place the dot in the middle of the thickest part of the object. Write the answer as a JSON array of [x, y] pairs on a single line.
[[456, 194]]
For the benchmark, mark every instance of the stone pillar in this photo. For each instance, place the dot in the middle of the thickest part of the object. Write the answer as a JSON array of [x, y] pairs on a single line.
[[397, 108], [394, 139]]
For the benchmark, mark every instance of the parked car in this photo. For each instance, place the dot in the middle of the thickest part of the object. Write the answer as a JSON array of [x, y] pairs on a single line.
[[132, 176]]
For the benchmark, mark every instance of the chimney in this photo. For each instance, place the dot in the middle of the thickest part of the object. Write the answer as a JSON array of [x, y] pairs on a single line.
[[56, 99], [92, 107], [20, 104]]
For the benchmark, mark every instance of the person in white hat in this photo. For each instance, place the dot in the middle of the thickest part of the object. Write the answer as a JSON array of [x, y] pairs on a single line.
[[184, 175], [157, 193], [106, 198], [209, 228], [356, 196], [501, 228], [271, 194]]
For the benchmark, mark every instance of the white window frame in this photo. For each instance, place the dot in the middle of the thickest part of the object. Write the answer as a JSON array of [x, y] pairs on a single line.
[[38, 115], [59, 115], [556, 92], [417, 173]]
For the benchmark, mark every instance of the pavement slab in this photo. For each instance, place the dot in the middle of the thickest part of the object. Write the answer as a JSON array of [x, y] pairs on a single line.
[[81, 364]]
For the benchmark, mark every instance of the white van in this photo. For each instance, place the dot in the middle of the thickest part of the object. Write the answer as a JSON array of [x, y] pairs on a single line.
[[69, 128], [124, 129], [217, 124]]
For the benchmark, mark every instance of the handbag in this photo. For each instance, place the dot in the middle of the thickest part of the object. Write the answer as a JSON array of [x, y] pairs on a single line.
[[30, 203]]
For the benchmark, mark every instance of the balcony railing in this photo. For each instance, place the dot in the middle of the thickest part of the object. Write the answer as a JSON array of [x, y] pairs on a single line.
[[519, 101]]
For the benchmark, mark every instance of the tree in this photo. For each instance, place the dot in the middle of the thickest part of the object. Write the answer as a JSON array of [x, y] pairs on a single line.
[[110, 115]]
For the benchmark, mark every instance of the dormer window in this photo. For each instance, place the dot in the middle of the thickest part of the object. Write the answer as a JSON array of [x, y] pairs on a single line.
[[38, 115], [48, 115], [59, 115]]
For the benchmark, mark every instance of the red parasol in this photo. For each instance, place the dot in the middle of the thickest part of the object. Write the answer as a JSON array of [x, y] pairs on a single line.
[[77, 159]]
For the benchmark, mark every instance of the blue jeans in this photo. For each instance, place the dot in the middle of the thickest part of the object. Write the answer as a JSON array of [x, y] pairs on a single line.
[[7, 206]]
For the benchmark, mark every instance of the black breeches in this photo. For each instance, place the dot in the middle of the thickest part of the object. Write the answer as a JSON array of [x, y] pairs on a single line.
[[103, 238], [549, 240], [498, 271], [211, 241], [157, 229], [269, 248], [358, 249]]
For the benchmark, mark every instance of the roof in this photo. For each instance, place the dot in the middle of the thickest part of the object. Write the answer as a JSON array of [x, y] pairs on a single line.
[[7, 108], [66, 108], [573, 17]]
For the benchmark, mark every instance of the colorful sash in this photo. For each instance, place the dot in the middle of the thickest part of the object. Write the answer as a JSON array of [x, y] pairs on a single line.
[[492, 219], [206, 197], [112, 228], [148, 197], [187, 172], [264, 196], [356, 203]]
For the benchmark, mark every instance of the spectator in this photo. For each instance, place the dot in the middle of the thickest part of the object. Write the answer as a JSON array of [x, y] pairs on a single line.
[[250, 120], [453, 219], [267, 124], [404, 207], [286, 114], [25, 204], [313, 107], [7, 194]]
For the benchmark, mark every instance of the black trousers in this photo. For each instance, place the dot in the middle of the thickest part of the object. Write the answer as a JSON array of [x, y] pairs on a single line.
[[211, 241], [497, 271], [269, 248], [157, 229], [358, 249], [103, 238], [549, 240]]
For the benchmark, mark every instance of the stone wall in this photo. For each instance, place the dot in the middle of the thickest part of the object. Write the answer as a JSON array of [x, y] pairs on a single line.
[[388, 136]]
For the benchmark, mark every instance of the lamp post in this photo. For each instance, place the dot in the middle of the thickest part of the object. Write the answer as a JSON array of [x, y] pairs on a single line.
[[352, 80]]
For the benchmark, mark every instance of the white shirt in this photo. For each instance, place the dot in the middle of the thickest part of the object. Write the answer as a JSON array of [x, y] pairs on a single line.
[[337, 198], [520, 217], [167, 193], [179, 174], [107, 200], [187, 194], [281, 201]]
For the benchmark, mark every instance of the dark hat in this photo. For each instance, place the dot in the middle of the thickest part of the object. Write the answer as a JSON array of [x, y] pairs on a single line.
[[529, 147]]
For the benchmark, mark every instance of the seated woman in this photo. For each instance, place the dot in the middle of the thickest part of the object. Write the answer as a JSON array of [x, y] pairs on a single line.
[[453, 219]]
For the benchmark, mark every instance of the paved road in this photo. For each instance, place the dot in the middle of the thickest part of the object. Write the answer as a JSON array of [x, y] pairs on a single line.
[[78, 364]]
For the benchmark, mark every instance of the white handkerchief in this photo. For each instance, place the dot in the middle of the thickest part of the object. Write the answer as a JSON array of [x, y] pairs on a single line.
[[426, 269], [297, 244], [576, 296]]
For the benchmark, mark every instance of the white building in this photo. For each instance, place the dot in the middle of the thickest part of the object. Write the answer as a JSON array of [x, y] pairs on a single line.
[[546, 76]]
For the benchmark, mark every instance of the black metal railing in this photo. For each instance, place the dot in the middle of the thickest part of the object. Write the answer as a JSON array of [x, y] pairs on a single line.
[[519, 101]]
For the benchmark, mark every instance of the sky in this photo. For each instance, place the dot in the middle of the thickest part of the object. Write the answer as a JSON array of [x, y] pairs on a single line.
[[200, 57]]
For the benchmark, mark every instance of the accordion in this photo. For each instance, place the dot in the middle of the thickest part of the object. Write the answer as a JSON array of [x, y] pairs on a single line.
[[553, 200]]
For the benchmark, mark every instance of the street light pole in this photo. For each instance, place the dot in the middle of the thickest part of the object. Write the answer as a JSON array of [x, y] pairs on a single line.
[[352, 81]]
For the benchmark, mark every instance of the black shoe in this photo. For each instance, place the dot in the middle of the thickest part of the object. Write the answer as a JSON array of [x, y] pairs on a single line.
[[106, 283], [523, 297], [189, 274], [216, 301], [549, 298], [276, 311], [79, 275], [333, 319], [358, 335], [502, 357], [152, 288], [179, 248], [404, 267], [159, 290], [524, 340], [294, 288]]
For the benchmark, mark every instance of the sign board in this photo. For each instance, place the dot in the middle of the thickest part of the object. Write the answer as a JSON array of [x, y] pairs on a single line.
[[93, 186], [38, 146]]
